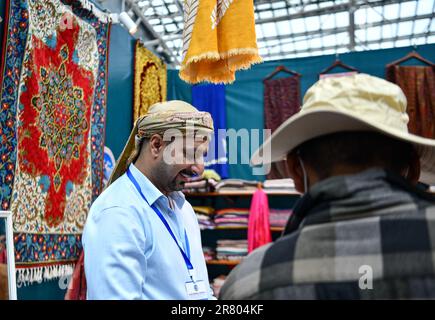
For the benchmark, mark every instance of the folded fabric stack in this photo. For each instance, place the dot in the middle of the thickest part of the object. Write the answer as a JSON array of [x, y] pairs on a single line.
[[204, 183], [209, 253], [231, 218], [231, 249], [236, 186], [279, 185], [205, 217], [278, 217], [217, 284]]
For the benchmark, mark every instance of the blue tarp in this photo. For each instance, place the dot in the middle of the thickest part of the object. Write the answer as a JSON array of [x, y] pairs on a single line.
[[211, 98]]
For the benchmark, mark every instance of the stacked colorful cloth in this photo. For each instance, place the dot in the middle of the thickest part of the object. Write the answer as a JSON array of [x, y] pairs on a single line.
[[278, 217], [231, 249], [231, 218], [236, 186], [209, 253], [205, 217], [279, 185], [204, 183]]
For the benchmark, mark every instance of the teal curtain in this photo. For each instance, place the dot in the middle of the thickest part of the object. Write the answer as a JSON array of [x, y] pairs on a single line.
[[120, 92], [2, 25], [48, 290], [244, 98]]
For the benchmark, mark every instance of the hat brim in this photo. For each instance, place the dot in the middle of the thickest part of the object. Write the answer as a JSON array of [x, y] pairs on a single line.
[[318, 122]]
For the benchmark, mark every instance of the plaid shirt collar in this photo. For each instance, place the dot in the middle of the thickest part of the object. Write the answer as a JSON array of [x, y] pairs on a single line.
[[336, 198]]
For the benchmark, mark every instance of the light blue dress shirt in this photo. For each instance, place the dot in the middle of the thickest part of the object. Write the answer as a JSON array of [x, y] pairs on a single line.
[[129, 253]]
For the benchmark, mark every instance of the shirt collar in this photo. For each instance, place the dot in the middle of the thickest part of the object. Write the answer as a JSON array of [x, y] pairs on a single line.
[[341, 197], [150, 191]]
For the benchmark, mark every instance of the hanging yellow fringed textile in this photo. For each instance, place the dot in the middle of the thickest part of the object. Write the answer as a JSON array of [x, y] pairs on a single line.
[[218, 39], [149, 81]]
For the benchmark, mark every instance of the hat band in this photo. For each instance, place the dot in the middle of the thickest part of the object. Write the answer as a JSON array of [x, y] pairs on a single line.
[[383, 116]]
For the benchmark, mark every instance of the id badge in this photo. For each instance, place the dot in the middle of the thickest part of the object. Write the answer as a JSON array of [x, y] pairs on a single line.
[[197, 290]]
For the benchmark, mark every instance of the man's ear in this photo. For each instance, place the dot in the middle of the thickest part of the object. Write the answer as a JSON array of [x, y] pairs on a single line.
[[296, 172], [156, 145], [414, 169]]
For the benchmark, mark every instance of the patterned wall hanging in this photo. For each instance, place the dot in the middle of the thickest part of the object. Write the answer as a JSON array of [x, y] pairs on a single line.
[[418, 84], [149, 81], [53, 99], [281, 101]]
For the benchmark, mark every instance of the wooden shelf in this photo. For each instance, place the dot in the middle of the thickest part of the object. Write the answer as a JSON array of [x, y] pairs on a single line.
[[224, 262], [240, 194], [278, 229]]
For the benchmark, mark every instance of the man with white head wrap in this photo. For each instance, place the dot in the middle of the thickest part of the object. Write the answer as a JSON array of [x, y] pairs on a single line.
[[141, 239]]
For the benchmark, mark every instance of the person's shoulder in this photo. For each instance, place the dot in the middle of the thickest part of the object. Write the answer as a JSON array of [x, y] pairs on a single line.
[[427, 201], [119, 198], [420, 202], [112, 222], [426, 204], [118, 194], [261, 269]]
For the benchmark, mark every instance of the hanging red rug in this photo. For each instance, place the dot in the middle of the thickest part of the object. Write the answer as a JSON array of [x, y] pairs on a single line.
[[53, 114]]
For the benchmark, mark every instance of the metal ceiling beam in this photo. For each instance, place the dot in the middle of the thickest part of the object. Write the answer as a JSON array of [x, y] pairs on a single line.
[[289, 3], [351, 28], [174, 18], [329, 10], [317, 12], [336, 47], [329, 31], [294, 10], [430, 22], [180, 7], [383, 20], [150, 29], [165, 38]]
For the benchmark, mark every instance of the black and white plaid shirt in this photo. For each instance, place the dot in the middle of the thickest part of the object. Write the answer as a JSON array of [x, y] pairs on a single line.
[[364, 236]]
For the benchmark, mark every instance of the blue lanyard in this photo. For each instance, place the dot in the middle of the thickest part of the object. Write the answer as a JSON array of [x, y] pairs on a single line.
[[162, 218]]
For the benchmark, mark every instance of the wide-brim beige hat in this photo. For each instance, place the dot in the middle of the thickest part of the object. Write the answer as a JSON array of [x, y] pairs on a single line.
[[352, 103]]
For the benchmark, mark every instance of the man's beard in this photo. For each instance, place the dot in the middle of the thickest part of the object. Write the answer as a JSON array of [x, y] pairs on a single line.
[[178, 186], [172, 184]]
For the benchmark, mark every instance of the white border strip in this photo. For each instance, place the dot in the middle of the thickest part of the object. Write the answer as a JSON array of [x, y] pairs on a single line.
[[10, 254]]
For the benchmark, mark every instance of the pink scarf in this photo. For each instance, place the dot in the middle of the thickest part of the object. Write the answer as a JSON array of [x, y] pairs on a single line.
[[259, 226]]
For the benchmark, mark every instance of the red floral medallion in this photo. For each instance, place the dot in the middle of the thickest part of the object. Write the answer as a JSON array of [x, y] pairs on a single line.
[[55, 130]]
